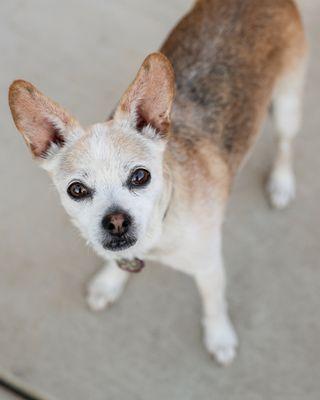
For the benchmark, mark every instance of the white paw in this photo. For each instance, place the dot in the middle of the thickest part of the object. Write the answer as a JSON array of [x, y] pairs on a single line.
[[105, 289], [221, 340], [100, 296], [281, 187]]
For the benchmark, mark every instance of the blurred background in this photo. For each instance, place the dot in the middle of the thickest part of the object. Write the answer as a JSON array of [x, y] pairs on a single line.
[[83, 54]]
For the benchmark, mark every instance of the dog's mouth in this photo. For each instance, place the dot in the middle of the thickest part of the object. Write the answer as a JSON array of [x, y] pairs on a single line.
[[119, 243]]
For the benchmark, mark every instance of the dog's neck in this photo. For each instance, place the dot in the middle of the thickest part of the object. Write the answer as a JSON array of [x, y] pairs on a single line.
[[168, 188]]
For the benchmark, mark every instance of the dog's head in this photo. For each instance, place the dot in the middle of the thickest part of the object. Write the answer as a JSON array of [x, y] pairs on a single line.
[[110, 176]]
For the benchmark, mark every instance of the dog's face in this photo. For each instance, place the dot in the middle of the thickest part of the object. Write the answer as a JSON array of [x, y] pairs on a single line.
[[110, 180], [110, 176]]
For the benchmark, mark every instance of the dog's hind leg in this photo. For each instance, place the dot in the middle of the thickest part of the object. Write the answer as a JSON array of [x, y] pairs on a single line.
[[106, 286], [286, 109]]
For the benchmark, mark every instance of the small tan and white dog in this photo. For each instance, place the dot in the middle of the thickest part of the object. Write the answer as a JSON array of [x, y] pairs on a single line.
[[153, 181]]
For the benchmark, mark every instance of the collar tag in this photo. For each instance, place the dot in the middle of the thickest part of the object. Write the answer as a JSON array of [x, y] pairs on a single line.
[[134, 265]]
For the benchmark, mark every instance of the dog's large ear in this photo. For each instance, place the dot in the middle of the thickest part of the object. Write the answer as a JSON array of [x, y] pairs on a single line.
[[148, 100], [41, 121]]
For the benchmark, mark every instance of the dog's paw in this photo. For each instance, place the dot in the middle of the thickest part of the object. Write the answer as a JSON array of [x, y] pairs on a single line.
[[221, 340], [281, 187], [99, 296], [105, 289]]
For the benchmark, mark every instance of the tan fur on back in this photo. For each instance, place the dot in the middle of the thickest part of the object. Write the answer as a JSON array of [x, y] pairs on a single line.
[[227, 56]]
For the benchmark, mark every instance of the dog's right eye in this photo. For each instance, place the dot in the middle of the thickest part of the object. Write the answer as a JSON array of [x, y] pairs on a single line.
[[78, 191]]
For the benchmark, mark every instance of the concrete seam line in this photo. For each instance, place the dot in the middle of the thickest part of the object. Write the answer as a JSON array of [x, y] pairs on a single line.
[[13, 385]]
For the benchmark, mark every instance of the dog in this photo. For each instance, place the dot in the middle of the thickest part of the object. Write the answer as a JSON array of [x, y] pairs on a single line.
[[152, 182]]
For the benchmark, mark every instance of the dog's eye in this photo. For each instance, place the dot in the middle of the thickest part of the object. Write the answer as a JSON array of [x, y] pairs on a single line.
[[78, 191], [140, 177]]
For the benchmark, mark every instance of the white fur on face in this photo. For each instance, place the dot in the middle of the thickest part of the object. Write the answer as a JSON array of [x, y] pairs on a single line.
[[103, 159]]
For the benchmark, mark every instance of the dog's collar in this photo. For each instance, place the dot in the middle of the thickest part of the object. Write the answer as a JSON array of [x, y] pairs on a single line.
[[134, 265]]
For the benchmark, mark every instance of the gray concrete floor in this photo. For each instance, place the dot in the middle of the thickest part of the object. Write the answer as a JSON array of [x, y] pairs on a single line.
[[148, 346], [4, 395]]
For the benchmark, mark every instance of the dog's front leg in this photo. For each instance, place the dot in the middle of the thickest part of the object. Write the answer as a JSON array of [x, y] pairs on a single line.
[[106, 286], [219, 336]]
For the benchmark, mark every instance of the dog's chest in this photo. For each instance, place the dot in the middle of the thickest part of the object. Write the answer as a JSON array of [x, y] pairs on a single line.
[[177, 248]]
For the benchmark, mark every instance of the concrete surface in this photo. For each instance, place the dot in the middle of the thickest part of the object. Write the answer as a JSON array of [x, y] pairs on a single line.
[[148, 346], [4, 395]]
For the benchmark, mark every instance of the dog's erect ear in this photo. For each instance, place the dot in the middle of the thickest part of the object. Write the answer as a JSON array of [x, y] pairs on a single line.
[[41, 121], [148, 100]]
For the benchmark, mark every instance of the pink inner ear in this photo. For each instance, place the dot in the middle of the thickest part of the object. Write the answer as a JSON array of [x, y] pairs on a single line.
[[158, 122], [40, 120], [149, 98], [142, 120], [45, 133]]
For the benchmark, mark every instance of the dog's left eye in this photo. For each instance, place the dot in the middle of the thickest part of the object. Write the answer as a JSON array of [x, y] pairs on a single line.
[[139, 177], [78, 191]]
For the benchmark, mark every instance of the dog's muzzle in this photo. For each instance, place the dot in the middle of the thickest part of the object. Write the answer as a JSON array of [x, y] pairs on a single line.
[[119, 243], [118, 230]]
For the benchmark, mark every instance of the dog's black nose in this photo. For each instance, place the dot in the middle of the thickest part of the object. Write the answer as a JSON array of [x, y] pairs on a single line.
[[116, 223]]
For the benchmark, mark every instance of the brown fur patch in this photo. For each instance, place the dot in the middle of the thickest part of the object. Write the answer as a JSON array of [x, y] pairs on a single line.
[[227, 56]]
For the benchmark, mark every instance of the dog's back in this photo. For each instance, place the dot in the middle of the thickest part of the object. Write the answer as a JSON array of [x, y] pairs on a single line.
[[227, 56]]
